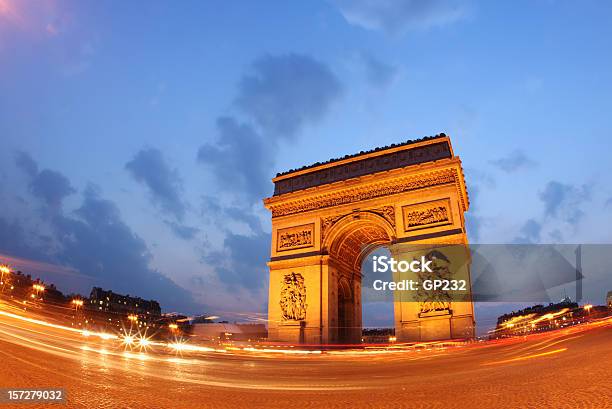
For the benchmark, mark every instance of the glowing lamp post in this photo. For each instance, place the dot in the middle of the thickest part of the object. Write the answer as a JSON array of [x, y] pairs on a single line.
[[39, 289], [4, 269], [77, 303]]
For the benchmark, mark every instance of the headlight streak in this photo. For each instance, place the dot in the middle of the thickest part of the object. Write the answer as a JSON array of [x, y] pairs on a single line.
[[104, 352], [144, 343], [522, 358]]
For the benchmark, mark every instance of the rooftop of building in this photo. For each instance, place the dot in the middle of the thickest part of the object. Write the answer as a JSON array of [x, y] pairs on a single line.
[[362, 153]]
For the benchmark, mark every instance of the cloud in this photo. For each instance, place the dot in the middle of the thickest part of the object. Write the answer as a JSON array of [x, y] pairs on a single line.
[[473, 226], [399, 16], [100, 243], [250, 219], [182, 231], [242, 262], [93, 240], [14, 240], [276, 99], [515, 161], [25, 162], [378, 73], [240, 160], [280, 95], [164, 184], [50, 186], [564, 201], [476, 181], [530, 232], [475, 177], [284, 92]]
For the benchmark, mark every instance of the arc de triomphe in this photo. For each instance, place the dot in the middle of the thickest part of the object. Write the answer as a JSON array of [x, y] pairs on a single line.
[[327, 217]]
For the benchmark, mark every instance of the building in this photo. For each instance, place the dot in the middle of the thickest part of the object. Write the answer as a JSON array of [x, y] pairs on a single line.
[[609, 299], [225, 331], [110, 302], [328, 217], [540, 318], [20, 285]]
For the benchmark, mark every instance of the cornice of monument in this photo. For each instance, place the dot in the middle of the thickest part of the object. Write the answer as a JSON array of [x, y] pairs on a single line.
[[396, 156], [410, 144], [430, 174]]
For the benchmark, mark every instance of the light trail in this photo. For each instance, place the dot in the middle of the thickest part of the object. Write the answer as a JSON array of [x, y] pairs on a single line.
[[277, 368], [39, 322], [522, 358], [85, 333]]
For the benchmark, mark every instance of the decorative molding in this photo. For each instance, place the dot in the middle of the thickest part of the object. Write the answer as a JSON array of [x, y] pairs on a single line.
[[327, 223], [439, 236], [293, 238], [293, 297], [371, 191], [427, 215], [359, 167], [387, 212]]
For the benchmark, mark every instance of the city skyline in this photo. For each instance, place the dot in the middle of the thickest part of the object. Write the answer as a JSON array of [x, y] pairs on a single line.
[[130, 131]]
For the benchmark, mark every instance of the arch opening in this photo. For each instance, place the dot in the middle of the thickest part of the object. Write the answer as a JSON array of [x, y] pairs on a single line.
[[348, 244], [378, 311]]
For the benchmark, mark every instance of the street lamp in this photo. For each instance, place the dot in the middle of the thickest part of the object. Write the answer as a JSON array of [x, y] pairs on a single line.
[[173, 327], [77, 303], [4, 269], [38, 288]]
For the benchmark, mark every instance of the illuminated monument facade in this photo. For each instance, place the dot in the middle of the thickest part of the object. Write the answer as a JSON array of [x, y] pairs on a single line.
[[327, 217]]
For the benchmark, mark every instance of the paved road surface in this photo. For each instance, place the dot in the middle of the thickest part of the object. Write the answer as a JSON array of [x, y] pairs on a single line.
[[565, 369]]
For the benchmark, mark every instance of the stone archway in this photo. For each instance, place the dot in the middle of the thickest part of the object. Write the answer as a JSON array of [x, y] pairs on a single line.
[[347, 240], [327, 217], [347, 318]]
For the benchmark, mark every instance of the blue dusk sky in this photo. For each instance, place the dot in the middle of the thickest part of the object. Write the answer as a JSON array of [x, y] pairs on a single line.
[[139, 138]]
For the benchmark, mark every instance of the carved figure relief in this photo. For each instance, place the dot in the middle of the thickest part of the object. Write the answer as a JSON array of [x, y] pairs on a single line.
[[293, 297], [422, 215], [435, 301], [427, 216], [295, 237]]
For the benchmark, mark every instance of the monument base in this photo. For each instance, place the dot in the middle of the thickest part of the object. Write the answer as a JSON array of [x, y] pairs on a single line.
[[291, 331]]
